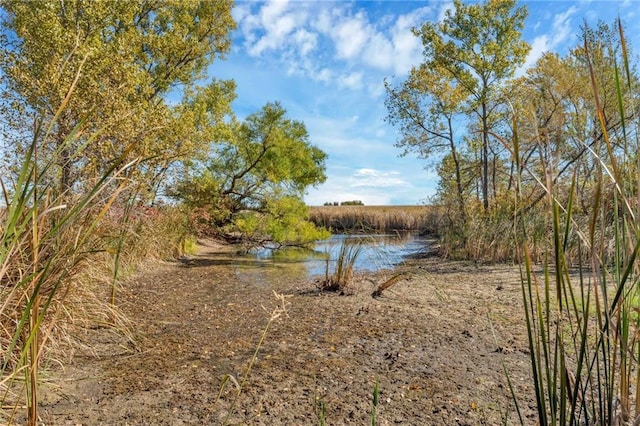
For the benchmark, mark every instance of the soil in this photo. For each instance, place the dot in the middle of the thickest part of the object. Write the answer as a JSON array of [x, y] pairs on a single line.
[[437, 343]]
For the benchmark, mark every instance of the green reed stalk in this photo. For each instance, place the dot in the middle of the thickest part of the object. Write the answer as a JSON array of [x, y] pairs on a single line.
[[46, 236], [583, 325], [374, 403], [341, 277]]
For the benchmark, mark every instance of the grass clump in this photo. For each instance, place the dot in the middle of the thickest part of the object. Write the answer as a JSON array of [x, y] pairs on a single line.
[[340, 278], [47, 240], [62, 254]]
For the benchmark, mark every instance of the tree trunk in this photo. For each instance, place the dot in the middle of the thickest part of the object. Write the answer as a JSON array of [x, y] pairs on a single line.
[[485, 158], [456, 162]]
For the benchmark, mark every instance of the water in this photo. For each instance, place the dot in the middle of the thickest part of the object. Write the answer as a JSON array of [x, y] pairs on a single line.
[[379, 251]]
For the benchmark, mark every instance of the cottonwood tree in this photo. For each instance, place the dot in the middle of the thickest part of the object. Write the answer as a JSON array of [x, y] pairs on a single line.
[[559, 122], [424, 108], [474, 49], [255, 177], [126, 57]]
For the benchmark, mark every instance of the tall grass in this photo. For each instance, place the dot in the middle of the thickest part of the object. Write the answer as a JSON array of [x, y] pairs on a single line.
[[46, 239], [425, 219], [584, 322], [56, 250], [341, 276]]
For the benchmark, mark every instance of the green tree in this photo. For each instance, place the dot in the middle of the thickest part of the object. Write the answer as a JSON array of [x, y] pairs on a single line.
[[124, 57], [255, 171], [477, 47]]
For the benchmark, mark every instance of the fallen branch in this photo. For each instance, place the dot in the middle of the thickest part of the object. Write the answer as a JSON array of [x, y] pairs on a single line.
[[389, 283]]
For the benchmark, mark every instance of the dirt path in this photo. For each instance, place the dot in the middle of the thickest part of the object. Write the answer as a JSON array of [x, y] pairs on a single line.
[[435, 342]]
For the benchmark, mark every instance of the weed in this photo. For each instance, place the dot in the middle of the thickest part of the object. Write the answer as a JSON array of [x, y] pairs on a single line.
[[374, 403], [276, 313], [341, 277]]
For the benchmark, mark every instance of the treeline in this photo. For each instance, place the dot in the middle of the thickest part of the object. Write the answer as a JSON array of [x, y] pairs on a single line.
[[548, 135], [541, 170], [344, 203]]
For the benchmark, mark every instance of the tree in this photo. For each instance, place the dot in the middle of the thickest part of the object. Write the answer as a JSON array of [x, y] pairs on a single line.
[[558, 119], [123, 57], [424, 107], [477, 47], [255, 172]]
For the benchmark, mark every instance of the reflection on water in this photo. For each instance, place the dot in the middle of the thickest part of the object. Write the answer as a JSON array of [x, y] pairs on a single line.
[[382, 251]]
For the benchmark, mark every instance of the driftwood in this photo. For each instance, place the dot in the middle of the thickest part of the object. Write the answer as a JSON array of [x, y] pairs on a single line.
[[389, 283]]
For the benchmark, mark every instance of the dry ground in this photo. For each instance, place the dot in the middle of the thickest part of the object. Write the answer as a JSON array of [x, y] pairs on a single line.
[[436, 343]]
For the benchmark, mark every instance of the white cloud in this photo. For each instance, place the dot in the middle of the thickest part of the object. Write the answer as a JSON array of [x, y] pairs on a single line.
[[379, 52], [324, 74], [383, 47], [331, 42], [276, 26], [351, 81], [443, 10], [371, 186], [324, 20], [350, 36], [240, 11], [407, 47], [366, 172], [377, 179], [305, 40]]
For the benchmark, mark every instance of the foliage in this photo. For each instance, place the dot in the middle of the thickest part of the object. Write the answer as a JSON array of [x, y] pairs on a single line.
[[558, 125], [46, 240], [424, 108], [131, 54], [352, 203], [255, 177], [95, 74], [467, 57], [282, 222]]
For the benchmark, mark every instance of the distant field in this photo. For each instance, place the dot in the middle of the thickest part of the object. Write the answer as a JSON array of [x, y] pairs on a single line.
[[376, 218]]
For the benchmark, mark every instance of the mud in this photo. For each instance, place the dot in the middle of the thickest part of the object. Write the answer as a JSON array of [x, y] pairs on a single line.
[[437, 343]]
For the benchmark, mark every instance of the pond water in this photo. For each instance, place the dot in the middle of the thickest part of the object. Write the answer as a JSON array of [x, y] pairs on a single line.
[[379, 251]]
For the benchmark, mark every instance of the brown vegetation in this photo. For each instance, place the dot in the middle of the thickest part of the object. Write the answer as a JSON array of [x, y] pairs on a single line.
[[377, 218]]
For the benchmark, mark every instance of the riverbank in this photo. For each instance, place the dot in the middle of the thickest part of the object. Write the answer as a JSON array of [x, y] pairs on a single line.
[[436, 343]]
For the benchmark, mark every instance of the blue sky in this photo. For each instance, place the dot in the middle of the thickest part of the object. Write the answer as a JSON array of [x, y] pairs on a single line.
[[325, 62]]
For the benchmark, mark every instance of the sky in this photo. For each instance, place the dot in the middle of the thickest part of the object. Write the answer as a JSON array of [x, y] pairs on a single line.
[[326, 62]]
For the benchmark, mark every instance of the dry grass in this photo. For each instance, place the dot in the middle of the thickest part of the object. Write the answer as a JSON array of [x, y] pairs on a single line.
[[425, 219]]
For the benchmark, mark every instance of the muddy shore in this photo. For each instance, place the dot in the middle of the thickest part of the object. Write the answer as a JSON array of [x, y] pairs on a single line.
[[437, 344]]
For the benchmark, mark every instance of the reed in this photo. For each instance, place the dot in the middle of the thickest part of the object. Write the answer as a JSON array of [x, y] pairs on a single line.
[[341, 277], [583, 323], [47, 239], [57, 257], [375, 397], [425, 219]]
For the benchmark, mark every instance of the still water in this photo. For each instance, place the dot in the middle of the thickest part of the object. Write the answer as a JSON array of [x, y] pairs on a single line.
[[379, 251]]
